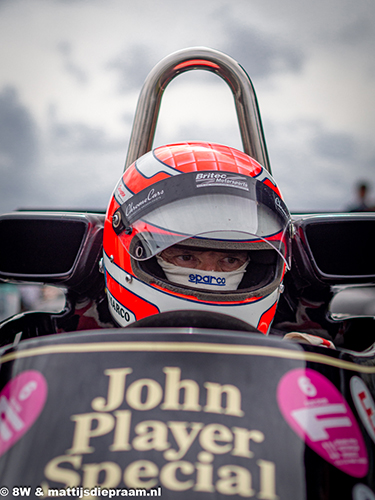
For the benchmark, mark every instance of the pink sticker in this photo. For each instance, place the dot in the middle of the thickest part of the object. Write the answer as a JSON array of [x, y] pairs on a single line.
[[319, 414], [21, 402], [364, 404]]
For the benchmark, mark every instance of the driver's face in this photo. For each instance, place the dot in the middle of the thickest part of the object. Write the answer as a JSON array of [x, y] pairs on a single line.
[[205, 260]]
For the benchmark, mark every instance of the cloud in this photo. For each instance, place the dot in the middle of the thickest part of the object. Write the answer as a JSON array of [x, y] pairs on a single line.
[[71, 1], [82, 164], [19, 150], [311, 64], [132, 66], [75, 137], [79, 75], [317, 168], [70, 165], [339, 146], [261, 53], [18, 132], [356, 32]]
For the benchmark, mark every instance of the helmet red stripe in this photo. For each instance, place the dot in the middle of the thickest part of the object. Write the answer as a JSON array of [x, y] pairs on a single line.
[[188, 157], [266, 319], [141, 308]]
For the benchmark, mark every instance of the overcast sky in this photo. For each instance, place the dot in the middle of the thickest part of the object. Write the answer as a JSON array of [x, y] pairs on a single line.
[[71, 72]]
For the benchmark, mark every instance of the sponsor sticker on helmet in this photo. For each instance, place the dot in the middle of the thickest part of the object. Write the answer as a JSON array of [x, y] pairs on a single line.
[[206, 279], [206, 179], [21, 402], [364, 404], [281, 207], [153, 195], [318, 414], [122, 314], [120, 193]]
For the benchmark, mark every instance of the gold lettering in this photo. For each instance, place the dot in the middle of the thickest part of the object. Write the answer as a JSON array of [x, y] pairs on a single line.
[[214, 399], [168, 475], [234, 480], [116, 390], [141, 474], [154, 394], [214, 433], [173, 386], [83, 430], [91, 474], [242, 439], [68, 477], [267, 480], [122, 431], [152, 435], [204, 472], [183, 438]]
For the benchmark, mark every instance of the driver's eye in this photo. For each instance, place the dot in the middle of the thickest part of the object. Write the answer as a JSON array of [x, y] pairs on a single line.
[[231, 261], [185, 257]]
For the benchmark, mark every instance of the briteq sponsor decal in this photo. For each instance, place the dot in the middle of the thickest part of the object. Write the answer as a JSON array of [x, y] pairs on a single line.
[[206, 179], [207, 279], [174, 453]]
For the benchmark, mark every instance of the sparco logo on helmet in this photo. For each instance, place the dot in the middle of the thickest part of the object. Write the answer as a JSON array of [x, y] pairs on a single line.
[[207, 280], [118, 309]]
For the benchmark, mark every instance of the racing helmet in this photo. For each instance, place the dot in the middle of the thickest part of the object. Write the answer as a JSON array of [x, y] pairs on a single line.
[[204, 197]]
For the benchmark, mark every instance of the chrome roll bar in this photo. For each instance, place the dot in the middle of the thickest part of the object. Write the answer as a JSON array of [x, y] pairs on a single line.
[[146, 115]]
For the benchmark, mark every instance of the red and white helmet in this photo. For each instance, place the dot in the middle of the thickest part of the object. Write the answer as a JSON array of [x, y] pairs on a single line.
[[201, 195]]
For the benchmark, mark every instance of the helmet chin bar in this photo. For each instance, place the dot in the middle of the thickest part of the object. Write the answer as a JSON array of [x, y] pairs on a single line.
[[147, 295]]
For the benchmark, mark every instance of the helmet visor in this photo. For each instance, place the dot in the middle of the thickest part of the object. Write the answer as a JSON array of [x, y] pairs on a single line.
[[217, 209]]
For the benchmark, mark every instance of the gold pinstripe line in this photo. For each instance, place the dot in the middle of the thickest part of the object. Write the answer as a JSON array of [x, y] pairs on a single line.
[[192, 347]]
